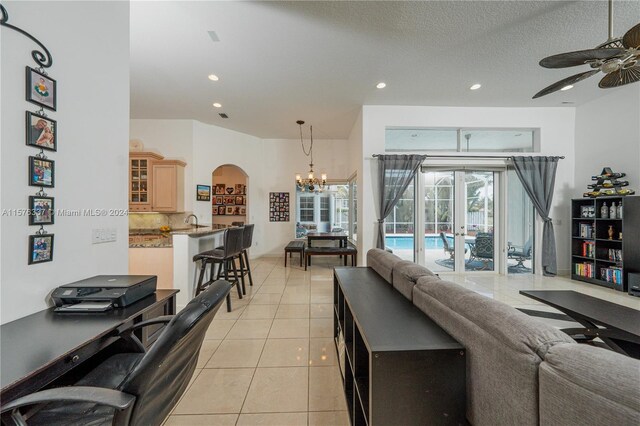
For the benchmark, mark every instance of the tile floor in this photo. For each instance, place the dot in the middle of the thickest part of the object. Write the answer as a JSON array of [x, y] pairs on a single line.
[[271, 361]]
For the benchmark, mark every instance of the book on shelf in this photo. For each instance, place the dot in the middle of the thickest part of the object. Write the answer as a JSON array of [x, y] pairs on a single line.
[[611, 275], [615, 255], [585, 269], [588, 249], [586, 230]]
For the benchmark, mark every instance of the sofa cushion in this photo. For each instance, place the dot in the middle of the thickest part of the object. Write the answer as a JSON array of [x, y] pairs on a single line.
[[405, 275], [382, 262], [504, 348], [583, 382]]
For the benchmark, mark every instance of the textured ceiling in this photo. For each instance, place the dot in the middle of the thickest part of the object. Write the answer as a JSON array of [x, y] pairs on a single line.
[[320, 61]]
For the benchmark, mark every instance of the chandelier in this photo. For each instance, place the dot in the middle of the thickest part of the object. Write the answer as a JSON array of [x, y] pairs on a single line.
[[311, 183]]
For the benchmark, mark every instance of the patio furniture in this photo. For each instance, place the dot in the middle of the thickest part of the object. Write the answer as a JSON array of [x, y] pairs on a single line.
[[483, 249], [520, 254], [447, 248]]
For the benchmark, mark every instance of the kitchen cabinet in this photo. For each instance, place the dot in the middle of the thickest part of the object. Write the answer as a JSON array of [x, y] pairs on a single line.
[[140, 180], [168, 186], [155, 184]]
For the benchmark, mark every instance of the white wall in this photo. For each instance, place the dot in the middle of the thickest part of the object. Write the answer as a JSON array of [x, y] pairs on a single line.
[[89, 42], [171, 138], [608, 134], [557, 131], [270, 164]]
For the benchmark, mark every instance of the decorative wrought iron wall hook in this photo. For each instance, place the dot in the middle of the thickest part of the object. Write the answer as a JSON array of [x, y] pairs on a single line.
[[45, 60]]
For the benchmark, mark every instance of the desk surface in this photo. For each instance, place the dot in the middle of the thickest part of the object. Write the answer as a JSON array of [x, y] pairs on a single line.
[[601, 312], [29, 345]]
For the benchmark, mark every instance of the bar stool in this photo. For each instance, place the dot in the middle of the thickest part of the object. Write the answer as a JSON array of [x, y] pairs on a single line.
[[247, 241], [225, 258]]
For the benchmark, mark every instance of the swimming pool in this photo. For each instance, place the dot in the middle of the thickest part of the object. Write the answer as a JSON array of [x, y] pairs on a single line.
[[406, 243]]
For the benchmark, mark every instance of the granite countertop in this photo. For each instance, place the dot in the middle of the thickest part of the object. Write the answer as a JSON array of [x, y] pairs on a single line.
[[200, 231]]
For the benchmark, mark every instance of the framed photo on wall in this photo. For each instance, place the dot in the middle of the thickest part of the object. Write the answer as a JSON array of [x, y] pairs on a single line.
[[203, 193], [214, 210], [41, 132], [220, 188], [219, 199], [41, 89], [228, 199], [41, 172], [239, 200], [40, 248], [230, 210], [278, 207], [41, 210]]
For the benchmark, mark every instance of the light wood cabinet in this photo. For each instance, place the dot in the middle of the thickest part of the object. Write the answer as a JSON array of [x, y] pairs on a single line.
[[155, 184], [168, 186], [140, 180]]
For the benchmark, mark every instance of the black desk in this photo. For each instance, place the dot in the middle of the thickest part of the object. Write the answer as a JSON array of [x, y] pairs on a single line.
[[42, 347], [621, 324]]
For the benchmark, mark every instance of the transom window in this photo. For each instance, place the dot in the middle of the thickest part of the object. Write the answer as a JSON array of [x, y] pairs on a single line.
[[410, 139]]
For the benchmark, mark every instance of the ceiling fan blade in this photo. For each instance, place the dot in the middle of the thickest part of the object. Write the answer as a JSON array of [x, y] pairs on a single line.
[[632, 38], [580, 57], [620, 78], [567, 81]]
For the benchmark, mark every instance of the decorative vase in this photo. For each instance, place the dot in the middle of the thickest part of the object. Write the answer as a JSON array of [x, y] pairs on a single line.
[[611, 232]]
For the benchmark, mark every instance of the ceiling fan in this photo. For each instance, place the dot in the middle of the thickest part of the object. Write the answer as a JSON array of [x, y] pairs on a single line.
[[618, 58]]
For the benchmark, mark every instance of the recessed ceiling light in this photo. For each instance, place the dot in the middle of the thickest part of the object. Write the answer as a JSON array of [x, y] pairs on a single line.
[[213, 77], [570, 86], [217, 105], [381, 85], [475, 86]]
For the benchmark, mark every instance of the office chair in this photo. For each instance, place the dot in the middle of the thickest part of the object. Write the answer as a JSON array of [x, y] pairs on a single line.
[[137, 388]]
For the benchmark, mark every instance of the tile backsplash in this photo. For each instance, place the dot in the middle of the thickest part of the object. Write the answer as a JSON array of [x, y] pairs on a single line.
[[156, 220]]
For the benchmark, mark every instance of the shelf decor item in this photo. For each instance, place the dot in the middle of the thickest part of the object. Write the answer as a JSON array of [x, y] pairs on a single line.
[[41, 172], [610, 232], [41, 131], [220, 188], [219, 199], [607, 184], [230, 190], [203, 193], [40, 247]]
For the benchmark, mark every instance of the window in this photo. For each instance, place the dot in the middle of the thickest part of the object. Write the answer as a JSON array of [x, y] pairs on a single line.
[[306, 208], [324, 209], [460, 140]]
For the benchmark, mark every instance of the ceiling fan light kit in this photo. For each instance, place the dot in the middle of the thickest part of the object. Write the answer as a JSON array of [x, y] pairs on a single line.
[[617, 58]]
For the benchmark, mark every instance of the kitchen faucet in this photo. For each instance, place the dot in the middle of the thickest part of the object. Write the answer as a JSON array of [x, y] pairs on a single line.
[[186, 220]]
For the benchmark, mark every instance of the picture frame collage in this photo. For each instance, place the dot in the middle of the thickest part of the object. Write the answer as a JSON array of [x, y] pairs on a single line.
[[229, 200], [279, 207], [41, 132]]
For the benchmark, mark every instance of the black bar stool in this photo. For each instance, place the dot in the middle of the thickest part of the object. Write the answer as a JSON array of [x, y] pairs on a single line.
[[247, 241], [225, 257]]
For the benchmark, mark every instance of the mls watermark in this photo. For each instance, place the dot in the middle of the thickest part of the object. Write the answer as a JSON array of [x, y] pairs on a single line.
[[67, 212]]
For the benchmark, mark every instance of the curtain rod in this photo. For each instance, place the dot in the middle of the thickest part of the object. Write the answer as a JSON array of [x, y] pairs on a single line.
[[471, 156]]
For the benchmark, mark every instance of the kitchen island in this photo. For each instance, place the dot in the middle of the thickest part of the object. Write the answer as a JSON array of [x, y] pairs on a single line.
[[169, 255]]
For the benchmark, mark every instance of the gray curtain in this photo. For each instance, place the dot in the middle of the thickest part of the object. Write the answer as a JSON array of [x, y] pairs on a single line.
[[538, 177], [395, 173]]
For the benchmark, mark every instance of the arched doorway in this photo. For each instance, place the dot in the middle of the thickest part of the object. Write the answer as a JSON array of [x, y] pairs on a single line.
[[229, 203]]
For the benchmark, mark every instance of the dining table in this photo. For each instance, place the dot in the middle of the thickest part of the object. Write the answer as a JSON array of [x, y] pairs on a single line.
[[341, 237]]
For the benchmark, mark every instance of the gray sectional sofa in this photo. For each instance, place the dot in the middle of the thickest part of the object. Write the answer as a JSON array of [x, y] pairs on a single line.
[[520, 371]]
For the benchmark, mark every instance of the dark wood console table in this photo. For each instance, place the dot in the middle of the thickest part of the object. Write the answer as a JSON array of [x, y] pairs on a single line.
[[398, 366], [43, 347]]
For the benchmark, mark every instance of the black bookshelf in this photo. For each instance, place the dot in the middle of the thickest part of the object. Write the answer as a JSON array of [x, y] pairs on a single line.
[[598, 257]]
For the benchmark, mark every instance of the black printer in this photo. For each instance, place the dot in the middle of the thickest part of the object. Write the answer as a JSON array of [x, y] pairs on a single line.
[[103, 292]]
